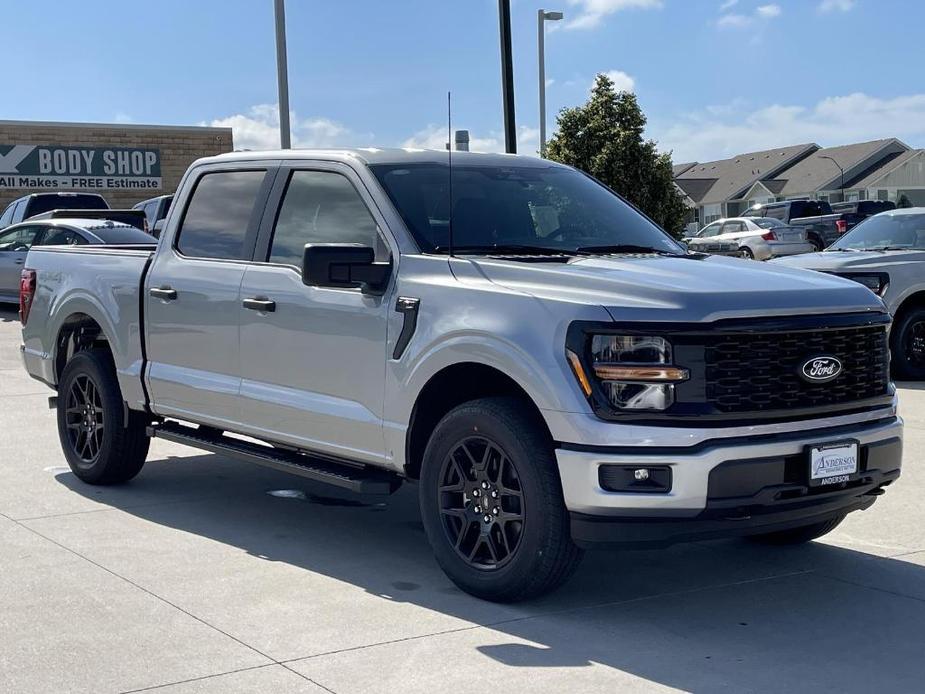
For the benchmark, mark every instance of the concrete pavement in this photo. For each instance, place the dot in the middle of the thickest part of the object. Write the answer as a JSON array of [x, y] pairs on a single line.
[[193, 579]]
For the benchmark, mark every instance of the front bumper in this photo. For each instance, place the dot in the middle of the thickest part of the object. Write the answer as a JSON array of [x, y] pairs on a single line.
[[723, 487]]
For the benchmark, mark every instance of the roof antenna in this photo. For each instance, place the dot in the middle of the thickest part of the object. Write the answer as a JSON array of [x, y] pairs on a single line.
[[449, 159]]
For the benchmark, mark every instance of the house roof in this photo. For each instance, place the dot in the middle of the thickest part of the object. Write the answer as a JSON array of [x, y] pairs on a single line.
[[870, 176], [728, 179], [678, 169], [816, 172]]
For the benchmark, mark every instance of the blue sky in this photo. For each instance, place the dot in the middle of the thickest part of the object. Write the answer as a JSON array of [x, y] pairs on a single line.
[[715, 77]]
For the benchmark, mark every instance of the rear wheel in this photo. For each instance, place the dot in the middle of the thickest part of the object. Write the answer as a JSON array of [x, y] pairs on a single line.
[[746, 252], [491, 503], [100, 446], [798, 536], [908, 348]]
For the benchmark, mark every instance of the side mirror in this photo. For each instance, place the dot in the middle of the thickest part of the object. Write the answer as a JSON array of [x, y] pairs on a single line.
[[344, 265], [158, 228]]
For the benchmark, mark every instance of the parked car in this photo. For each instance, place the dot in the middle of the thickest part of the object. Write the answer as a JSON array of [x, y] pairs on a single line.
[[552, 367], [36, 203], [135, 218], [756, 238], [886, 253], [17, 240], [155, 210], [822, 226]]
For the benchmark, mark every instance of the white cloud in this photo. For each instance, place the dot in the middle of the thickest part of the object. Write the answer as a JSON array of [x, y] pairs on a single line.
[[259, 129], [738, 20], [723, 132], [733, 21], [592, 12], [836, 5], [728, 5], [621, 81]]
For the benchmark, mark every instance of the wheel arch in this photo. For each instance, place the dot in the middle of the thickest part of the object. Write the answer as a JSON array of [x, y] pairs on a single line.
[[450, 387], [915, 299]]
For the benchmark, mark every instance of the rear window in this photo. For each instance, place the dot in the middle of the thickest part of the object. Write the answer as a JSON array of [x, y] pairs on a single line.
[[77, 201], [768, 222], [219, 214], [122, 234]]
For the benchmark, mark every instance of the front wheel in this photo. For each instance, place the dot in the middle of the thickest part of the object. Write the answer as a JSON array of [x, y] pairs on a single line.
[[491, 503], [100, 446], [908, 348]]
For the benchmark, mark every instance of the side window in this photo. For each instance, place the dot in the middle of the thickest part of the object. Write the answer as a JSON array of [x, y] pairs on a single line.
[[19, 211], [19, 239], [732, 227], [779, 212], [218, 215], [62, 237], [321, 207], [7, 218], [710, 230]]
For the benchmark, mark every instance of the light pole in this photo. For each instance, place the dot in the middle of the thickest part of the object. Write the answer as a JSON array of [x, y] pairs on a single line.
[[542, 16], [282, 75], [841, 170], [507, 76]]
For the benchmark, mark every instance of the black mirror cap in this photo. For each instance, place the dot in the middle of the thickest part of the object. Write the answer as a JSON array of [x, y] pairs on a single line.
[[345, 266]]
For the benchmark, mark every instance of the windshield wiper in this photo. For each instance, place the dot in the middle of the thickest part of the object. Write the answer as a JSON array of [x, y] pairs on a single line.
[[891, 248], [623, 248], [509, 248]]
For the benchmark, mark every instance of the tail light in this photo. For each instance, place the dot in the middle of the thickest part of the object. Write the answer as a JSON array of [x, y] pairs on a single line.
[[26, 294], [841, 226], [769, 236]]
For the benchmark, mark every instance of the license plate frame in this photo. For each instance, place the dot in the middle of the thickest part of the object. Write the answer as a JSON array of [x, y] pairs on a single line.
[[823, 457]]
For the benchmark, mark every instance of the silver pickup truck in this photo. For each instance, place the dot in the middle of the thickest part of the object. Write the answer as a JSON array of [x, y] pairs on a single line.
[[552, 369]]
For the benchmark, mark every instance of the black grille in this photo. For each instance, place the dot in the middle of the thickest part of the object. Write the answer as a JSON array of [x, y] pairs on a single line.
[[760, 372]]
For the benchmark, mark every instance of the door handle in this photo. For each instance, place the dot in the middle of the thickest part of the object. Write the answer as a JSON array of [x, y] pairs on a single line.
[[165, 293], [256, 304]]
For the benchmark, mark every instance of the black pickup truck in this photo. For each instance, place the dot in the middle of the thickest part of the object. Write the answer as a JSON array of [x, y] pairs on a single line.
[[823, 226]]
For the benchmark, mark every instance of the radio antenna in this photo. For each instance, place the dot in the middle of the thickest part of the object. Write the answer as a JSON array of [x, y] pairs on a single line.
[[449, 160]]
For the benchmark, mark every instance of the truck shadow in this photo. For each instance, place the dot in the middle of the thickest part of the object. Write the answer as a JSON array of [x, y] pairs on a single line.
[[723, 615]]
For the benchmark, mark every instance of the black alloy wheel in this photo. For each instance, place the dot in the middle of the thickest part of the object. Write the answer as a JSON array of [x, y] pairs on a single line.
[[85, 419], [481, 503]]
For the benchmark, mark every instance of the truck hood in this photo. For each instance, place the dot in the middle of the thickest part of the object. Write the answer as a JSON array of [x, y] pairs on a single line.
[[833, 261], [682, 288]]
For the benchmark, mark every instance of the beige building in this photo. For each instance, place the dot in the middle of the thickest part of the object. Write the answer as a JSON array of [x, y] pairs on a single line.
[[124, 163]]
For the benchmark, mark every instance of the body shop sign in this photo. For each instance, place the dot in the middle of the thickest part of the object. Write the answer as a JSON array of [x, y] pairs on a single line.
[[49, 167]]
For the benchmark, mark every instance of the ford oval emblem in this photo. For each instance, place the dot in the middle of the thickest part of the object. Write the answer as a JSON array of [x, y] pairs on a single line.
[[821, 369]]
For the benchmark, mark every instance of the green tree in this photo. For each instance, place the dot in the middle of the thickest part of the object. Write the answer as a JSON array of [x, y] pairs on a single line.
[[604, 138]]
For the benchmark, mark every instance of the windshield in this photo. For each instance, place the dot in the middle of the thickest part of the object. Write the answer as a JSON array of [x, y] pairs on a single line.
[[885, 232], [518, 208], [768, 222]]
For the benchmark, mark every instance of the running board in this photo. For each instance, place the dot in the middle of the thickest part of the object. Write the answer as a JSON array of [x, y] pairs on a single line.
[[362, 480]]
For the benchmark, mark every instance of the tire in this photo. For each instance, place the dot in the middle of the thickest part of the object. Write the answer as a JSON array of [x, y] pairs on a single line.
[[798, 536], [520, 548], [818, 246], [746, 252], [98, 445], [908, 345]]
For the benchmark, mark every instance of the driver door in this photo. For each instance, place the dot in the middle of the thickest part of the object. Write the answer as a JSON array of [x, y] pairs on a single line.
[[14, 247]]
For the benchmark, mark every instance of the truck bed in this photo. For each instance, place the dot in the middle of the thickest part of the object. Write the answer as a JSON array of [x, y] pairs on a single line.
[[103, 283]]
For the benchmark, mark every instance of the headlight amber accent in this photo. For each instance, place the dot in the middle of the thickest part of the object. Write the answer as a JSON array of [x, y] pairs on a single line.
[[579, 372], [646, 374]]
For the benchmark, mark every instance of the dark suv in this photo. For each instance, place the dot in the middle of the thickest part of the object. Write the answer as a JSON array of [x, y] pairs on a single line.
[[36, 203]]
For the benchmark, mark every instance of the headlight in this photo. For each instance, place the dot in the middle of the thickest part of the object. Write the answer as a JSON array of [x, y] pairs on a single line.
[[876, 282], [633, 372]]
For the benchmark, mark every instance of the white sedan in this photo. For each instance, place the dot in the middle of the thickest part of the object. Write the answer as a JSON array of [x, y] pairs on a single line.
[[757, 238]]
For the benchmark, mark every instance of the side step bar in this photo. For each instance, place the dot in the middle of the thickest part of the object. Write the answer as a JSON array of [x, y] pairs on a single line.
[[362, 480]]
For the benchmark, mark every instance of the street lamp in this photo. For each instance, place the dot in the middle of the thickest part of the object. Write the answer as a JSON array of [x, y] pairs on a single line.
[[282, 74], [542, 16], [841, 170]]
